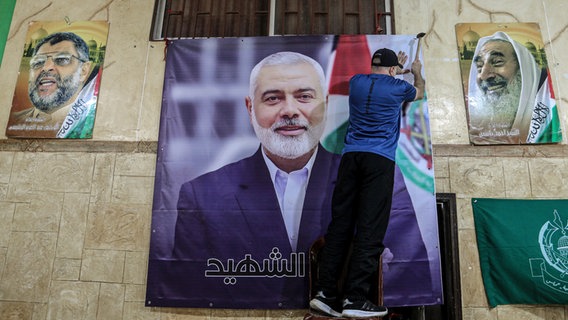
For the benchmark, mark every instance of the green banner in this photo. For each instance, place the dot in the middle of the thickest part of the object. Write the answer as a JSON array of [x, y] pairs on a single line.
[[523, 250], [6, 11]]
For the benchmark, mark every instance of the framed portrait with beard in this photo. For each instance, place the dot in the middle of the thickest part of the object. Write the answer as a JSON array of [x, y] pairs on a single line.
[[58, 84], [508, 90]]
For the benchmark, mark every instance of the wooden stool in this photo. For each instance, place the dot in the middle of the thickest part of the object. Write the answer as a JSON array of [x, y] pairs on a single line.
[[376, 290]]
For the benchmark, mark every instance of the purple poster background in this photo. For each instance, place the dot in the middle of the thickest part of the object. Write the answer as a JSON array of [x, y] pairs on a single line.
[[205, 126]]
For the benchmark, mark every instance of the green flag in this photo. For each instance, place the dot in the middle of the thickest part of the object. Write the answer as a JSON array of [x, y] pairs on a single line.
[[523, 250], [6, 10]]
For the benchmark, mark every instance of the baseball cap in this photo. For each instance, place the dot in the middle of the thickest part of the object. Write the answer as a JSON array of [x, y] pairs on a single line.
[[385, 58]]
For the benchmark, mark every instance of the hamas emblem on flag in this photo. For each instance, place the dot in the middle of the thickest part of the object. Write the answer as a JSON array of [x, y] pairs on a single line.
[[553, 241]]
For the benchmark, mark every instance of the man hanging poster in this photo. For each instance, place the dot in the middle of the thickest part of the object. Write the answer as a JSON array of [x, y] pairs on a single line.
[[58, 84], [244, 181], [507, 86]]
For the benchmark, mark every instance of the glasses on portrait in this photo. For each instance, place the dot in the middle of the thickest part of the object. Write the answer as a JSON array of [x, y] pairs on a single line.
[[59, 59]]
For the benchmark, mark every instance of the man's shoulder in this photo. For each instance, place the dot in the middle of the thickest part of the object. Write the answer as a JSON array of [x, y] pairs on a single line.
[[326, 161], [375, 77], [402, 85], [228, 173], [360, 77], [248, 168], [324, 154]]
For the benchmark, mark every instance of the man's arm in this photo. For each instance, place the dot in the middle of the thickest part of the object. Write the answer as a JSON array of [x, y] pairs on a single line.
[[419, 82], [416, 69]]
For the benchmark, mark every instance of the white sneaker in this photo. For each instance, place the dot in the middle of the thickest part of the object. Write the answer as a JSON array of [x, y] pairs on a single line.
[[362, 309], [324, 304]]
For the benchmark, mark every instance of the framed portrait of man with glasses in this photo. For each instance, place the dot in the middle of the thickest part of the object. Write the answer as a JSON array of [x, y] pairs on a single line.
[[58, 85]]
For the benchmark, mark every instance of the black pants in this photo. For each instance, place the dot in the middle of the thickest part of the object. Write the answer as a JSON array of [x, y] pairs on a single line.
[[360, 212]]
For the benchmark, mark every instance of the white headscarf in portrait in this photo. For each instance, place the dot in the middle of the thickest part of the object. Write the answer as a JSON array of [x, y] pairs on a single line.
[[530, 75]]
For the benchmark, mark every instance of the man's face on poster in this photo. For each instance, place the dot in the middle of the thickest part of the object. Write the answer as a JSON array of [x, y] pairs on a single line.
[[288, 109], [499, 79], [497, 66], [56, 75]]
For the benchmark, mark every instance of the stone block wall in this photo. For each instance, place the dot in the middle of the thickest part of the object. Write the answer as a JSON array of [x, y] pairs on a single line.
[[75, 215]]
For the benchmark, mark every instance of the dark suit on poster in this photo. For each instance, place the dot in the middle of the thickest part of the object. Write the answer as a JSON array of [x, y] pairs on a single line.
[[233, 212]]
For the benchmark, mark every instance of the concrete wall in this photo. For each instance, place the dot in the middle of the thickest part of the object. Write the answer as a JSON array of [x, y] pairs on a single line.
[[75, 217]]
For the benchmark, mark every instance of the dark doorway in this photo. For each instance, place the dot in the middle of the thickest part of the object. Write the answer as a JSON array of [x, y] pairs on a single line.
[[449, 255]]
